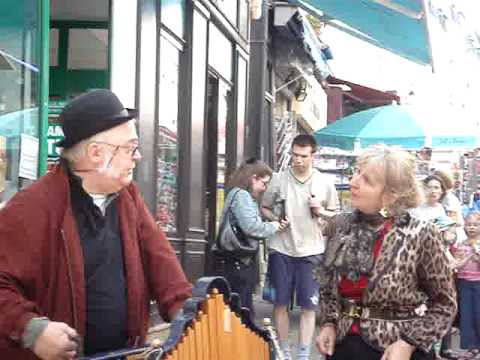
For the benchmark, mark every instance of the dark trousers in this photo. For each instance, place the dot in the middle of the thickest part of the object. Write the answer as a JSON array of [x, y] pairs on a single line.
[[353, 347], [446, 342], [447, 339], [242, 280], [469, 314]]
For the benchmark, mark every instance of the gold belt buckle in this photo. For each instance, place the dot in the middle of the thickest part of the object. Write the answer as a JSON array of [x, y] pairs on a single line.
[[354, 311]]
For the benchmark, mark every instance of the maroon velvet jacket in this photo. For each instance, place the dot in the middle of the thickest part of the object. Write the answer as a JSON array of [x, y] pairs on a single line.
[[41, 263]]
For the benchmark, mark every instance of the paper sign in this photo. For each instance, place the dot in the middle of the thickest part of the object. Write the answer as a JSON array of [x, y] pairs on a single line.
[[29, 148]]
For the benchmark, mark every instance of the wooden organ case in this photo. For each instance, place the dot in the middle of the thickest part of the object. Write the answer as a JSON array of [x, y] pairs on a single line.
[[213, 326]]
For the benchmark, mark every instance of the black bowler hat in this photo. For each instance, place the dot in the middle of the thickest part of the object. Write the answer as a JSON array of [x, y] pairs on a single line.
[[90, 114]]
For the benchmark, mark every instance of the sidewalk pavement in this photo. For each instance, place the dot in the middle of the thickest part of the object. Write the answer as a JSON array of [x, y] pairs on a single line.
[[263, 309]]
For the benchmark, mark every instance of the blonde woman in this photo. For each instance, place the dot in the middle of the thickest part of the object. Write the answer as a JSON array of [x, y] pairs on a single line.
[[387, 290]]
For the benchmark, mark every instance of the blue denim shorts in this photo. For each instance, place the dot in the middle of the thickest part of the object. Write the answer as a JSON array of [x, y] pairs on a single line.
[[288, 274]]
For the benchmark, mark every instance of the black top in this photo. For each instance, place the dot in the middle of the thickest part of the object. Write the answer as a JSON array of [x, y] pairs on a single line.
[[106, 295]]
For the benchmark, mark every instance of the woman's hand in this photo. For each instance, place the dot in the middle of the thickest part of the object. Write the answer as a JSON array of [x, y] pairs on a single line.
[[325, 341], [281, 225], [399, 350]]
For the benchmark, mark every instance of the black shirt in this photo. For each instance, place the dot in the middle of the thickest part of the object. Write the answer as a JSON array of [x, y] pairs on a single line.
[[106, 295]]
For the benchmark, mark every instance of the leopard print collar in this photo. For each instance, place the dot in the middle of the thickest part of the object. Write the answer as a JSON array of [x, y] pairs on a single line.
[[355, 237]]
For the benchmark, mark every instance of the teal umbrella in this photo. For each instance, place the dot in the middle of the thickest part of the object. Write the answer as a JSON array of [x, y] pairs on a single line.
[[409, 127]]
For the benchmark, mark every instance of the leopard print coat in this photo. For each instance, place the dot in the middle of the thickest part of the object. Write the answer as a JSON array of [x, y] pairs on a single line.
[[411, 269]]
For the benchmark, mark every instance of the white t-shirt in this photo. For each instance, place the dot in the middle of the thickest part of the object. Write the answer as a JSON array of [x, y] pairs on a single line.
[[428, 213], [304, 236], [451, 203]]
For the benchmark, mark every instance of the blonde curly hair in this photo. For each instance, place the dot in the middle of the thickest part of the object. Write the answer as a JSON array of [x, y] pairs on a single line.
[[398, 168]]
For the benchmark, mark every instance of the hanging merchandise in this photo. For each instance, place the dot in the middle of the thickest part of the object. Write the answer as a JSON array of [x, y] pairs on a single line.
[[285, 130], [470, 166], [167, 161], [339, 165]]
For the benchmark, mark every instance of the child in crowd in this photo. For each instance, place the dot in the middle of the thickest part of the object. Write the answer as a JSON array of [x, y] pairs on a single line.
[[467, 256], [447, 227]]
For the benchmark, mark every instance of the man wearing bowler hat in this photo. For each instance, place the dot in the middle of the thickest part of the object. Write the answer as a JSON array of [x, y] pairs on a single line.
[[80, 254]]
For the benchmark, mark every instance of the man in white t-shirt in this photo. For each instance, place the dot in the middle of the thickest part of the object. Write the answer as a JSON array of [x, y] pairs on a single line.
[[307, 198]]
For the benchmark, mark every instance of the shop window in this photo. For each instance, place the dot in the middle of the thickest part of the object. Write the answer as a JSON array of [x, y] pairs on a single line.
[[53, 38], [173, 15], [123, 38], [19, 82], [241, 105], [269, 77], [196, 211], [167, 143], [243, 18], [79, 57], [224, 98], [229, 9], [220, 52], [87, 49]]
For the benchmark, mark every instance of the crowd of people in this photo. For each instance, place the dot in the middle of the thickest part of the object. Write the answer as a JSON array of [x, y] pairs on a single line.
[[387, 273], [385, 279]]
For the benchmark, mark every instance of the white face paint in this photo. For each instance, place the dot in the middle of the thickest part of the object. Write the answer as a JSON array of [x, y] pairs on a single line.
[[102, 169], [121, 154]]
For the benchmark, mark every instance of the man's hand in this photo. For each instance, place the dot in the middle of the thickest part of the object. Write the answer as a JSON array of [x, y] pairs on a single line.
[[57, 342], [325, 340], [399, 350], [314, 203]]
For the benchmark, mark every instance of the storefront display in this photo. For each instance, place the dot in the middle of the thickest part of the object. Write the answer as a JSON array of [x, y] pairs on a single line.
[[167, 180], [285, 128], [19, 98], [167, 144], [222, 118], [337, 164], [55, 133], [470, 169], [188, 143]]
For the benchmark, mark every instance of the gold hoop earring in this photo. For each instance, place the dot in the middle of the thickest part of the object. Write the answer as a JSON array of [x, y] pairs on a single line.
[[385, 212]]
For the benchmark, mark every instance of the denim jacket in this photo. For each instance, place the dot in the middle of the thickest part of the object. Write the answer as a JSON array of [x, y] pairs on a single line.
[[247, 213]]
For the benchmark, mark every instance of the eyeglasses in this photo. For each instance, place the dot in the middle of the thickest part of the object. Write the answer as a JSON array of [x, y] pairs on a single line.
[[131, 150]]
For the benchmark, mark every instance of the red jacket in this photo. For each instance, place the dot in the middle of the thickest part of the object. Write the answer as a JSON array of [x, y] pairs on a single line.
[[41, 263]]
